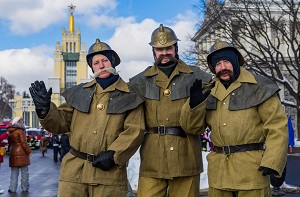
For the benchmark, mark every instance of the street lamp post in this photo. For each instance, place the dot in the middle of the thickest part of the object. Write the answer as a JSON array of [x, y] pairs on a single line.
[[12, 105]]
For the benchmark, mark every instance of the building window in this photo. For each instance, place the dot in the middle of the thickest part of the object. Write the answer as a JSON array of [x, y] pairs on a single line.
[[70, 74], [67, 47], [70, 46]]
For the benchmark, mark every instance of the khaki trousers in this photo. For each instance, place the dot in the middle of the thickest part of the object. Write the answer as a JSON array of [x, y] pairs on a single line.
[[176, 187], [69, 189], [265, 192]]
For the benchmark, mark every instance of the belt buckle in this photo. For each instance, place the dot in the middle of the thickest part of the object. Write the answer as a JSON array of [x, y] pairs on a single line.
[[227, 153], [90, 157], [161, 130]]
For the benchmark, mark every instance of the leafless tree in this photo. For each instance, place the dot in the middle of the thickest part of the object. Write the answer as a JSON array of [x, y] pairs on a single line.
[[267, 33], [7, 92]]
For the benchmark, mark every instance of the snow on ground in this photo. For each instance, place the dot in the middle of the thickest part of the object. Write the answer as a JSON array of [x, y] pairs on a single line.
[[134, 166]]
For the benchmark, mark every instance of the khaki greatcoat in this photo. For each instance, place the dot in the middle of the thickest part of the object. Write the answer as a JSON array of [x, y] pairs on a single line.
[[174, 156], [95, 131], [263, 123]]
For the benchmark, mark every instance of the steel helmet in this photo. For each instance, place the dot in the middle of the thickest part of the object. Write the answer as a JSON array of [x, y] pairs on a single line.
[[219, 45], [163, 37], [100, 48]]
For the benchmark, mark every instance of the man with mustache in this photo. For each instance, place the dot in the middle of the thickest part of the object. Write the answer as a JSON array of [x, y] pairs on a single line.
[[248, 127], [105, 119], [171, 160]]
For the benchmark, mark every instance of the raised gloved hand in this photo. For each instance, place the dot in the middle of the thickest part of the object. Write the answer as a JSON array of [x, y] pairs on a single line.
[[105, 160], [267, 171], [196, 94], [41, 98]]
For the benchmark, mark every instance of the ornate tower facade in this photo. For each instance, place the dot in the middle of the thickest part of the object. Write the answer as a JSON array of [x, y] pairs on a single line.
[[70, 67]]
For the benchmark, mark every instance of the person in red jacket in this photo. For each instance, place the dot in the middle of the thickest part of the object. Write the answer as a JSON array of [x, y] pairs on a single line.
[[3, 136]]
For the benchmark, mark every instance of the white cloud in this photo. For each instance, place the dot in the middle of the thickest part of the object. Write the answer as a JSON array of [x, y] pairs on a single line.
[[130, 41], [21, 67], [31, 16]]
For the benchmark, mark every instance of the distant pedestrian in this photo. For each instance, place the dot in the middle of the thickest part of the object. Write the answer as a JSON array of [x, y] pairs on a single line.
[[56, 149], [2, 137], [64, 145], [19, 159], [44, 142]]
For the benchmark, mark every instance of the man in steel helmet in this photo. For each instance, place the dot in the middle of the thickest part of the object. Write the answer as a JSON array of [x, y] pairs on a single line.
[[105, 119], [248, 127], [171, 160]]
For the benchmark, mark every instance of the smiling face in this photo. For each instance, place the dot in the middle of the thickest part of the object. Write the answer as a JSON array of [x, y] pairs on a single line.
[[224, 70], [100, 61]]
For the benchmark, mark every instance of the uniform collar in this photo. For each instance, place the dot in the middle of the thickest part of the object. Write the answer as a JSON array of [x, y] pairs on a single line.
[[181, 67], [118, 85], [220, 92]]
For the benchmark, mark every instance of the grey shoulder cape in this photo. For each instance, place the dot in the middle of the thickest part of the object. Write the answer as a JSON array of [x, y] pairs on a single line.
[[146, 87], [80, 98], [248, 94]]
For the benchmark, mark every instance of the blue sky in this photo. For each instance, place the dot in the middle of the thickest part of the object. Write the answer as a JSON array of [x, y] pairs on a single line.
[[29, 30]]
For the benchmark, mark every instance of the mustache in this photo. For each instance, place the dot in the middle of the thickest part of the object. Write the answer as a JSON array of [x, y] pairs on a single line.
[[226, 71], [110, 70], [159, 59]]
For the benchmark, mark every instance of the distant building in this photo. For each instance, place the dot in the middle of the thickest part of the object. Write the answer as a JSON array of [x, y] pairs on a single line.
[[70, 69]]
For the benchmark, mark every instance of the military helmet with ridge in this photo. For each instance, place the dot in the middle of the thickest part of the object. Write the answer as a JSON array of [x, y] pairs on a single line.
[[100, 48], [163, 37]]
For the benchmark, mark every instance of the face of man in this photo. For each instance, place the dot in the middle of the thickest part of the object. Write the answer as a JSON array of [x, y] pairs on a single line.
[[101, 62], [224, 70], [165, 54]]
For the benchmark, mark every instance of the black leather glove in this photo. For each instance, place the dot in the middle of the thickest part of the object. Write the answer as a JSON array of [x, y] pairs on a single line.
[[41, 98], [105, 160], [196, 94], [267, 171]]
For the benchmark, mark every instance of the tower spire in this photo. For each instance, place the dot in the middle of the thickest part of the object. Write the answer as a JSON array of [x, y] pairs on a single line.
[[71, 18]]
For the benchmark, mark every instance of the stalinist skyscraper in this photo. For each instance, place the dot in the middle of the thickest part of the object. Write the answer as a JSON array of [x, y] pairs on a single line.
[[70, 67]]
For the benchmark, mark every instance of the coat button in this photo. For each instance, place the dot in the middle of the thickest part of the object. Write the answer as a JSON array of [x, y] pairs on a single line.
[[233, 94], [172, 148], [167, 119], [167, 92], [94, 132], [224, 124], [100, 107]]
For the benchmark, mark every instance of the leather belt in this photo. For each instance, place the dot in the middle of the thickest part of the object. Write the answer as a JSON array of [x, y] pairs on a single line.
[[227, 150], [86, 156], [163, 130]]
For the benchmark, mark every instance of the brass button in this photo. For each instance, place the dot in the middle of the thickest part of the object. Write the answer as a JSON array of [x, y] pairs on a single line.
[[224, 124], [100, 107], [94, 132], [167, 92], [233, 94], [172, 148], [167, 119]]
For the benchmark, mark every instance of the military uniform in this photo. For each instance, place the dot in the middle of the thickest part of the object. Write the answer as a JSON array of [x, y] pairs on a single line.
[[98, 120], [248, 112], [168, 156]]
